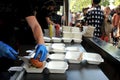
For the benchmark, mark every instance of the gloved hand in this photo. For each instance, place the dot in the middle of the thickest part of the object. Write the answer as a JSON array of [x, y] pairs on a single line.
[[42, 51], [7, 51]]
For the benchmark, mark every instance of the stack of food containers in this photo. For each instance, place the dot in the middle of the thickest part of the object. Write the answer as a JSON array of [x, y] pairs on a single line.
[[71, 33], [76, 34], [67, 37], [57, 63]]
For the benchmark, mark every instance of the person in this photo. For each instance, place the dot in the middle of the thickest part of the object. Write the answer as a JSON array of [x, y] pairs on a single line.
[[115, 23], [95, 18], [107, 25], [44, 12], [11, 13]]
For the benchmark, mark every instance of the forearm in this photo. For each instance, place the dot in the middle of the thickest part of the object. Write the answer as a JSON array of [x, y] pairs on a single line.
[[38, 35], [49, 21], [36, 29]]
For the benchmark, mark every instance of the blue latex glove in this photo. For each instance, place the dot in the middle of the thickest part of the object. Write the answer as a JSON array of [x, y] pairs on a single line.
[[42, 51], [7, 51]]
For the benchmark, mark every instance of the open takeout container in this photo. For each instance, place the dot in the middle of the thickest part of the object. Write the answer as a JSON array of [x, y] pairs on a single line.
[[57, 66], [57, 57], [73, 57], [72, 48], [92, 58], [29, 68], [58, 47], [52, 66]]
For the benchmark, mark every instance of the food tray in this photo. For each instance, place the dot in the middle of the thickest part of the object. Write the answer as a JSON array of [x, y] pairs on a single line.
[[74, 57], [57, 56], [57, 66], [92, 58]]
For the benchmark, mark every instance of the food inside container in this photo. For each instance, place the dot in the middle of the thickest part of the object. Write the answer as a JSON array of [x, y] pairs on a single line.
[[56, 39], [74, 57], [57, 56], [57, 66], [32, 69], [29, 67], [92, 58], [36, 63]]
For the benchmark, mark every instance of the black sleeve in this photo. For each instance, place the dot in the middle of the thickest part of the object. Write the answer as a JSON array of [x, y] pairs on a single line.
[[25, 8]]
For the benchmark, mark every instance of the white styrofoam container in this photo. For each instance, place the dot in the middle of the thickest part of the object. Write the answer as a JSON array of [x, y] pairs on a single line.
[[58, 44], [77, 40], [92, 58], [75, 29], [68, 40], [48, 46], [67, 35], [57, 56], [73, 57], [31, 69], [72, 48], [88, 31], [56, 39], [58, 47], [57, 66], [66, 28], [77, 35], [47, 39]]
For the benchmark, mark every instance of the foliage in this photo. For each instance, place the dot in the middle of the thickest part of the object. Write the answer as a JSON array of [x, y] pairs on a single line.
[[105, 3], [116, 2], [79, 4]]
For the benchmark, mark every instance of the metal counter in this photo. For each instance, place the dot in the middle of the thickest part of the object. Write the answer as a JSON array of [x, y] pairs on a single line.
[[110, 54], [81, 71]]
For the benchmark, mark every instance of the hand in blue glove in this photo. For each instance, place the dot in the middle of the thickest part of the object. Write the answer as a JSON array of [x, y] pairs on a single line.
[[7, 51], [42, 51]]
